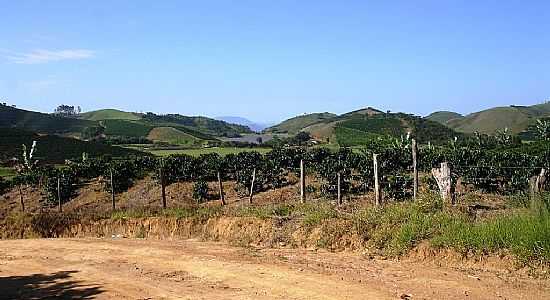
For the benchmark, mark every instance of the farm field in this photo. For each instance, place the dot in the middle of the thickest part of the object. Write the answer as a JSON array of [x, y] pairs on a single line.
[[199, 151], [189, 269]]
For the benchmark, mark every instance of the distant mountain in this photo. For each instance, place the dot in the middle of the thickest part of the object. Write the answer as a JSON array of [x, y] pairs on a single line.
[[296, 124], [516, 118], [254, 126], [443, 117]]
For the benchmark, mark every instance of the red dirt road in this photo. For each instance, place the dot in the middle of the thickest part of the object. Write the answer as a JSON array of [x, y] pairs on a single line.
[[146, 269]]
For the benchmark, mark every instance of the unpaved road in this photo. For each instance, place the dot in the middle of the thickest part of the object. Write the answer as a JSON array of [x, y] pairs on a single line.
[[146, 269]]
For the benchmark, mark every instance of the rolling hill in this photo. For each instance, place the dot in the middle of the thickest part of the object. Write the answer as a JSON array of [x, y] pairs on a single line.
[[516, 118], [54, 148], [296, 124], [356, 127], [109, 114], [443, 117], [116, 124], [12, 117]]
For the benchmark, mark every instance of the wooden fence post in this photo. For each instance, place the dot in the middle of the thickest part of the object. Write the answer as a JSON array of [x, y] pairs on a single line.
[[415, 169], [220, 186], [377, 196], [162, 187], [339, 178], [59, 193], [112, 190], [252, 186], [21, 199], [444, 182], [302, 182]]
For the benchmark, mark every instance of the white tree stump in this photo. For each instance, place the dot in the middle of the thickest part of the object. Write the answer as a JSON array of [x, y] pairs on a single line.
[[443, 178]]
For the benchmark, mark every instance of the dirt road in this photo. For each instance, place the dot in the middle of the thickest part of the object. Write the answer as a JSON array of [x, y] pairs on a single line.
[[145, 269]]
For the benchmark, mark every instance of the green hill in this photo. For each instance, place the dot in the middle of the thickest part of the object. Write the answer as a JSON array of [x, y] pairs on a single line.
[[443, 117], [356, 127], [516, 118], [46, 123], [296, 124], [173, 136], [109, 114], [53, 148], [116, 124]]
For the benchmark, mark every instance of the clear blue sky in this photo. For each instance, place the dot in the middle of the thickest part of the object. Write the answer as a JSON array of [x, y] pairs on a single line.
[[268, 60]]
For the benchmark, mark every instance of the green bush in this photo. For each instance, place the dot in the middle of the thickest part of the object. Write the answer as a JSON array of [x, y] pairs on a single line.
[[200, 191]]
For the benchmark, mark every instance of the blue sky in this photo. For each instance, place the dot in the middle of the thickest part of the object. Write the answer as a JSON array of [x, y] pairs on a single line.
[[269, 60]]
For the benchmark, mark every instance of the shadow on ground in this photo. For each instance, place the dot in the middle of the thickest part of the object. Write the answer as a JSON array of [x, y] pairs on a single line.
[[57, 285]]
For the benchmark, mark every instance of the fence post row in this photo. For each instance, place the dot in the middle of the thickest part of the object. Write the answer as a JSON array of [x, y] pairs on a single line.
[[252, 186], [302, 182], [377, 196], [415, 169]]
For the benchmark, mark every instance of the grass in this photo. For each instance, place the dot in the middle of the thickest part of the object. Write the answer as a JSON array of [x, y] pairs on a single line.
[[173, 136], [126, 128], [526, 235], [199, 151], [107, 114], [7, 172]]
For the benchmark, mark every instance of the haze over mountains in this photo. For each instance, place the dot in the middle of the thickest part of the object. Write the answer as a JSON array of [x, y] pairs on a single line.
[[254, 126]]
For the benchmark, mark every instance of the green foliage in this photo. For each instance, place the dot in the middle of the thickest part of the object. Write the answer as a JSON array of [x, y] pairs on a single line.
[[200, 191], [126, 128], [67, 181]]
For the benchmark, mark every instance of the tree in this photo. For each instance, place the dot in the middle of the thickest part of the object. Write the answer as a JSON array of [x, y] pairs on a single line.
[[302, 137], [65, 110], [543, 130]]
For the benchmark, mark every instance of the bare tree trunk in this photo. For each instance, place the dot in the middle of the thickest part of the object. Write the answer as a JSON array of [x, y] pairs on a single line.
[[377, 196], [59, 194], [302, 182], [415, 169], [163, 188], [21, 199], [339, 178], [443, 178], [252, 186], [220, 186], [113, 190]]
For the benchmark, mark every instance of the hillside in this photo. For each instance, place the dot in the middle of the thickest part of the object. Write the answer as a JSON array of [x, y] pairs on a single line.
[[515, 118], [109, 114], [47, 124], [443, 117], [53, 148], [173, 136], [294, 125], [120, 125], [359, 126]]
